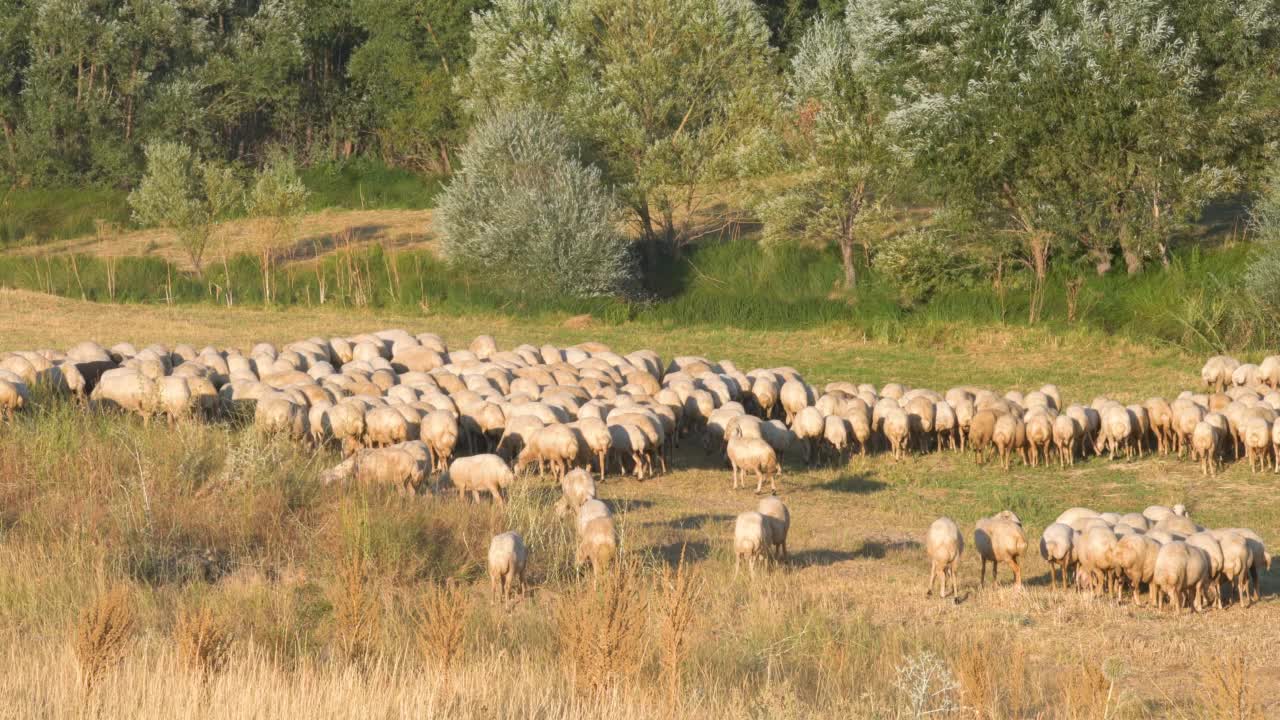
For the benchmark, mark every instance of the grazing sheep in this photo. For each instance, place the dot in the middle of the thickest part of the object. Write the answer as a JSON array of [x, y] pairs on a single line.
[[778, 517], [998, 539], [836, 432], [280, 416], [590, 510], [507, 560], [1213, 550], [393, 467], [1236, 562], [439, 430], [477, 474], [1056, 548], [384, 427], [808, 425], [1066, 436], [1217, 372], [14, 396], [1005, 436], [752, 538], [795, 396], [897, 430], [1257, 443], [944, 545], [981, 431], [556, 445], [1206, 444], [598, 544], [1095, 553], [1134, 559], [576, 487], [753, 455]]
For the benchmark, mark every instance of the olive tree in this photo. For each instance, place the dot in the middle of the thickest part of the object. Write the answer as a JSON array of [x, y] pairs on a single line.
[[841, 147], [276, 203], [530, 214], [182, 192], [664, 94]]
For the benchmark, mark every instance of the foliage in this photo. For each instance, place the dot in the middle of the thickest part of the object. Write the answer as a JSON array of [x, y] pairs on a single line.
[[185, 193], [920, 262], [1262, 275], [529, 213], [276, 200], [665, 94], [843, 159]]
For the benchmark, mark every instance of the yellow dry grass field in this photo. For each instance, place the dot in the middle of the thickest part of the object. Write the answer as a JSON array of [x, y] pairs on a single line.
[[319, 599], [316, 234]]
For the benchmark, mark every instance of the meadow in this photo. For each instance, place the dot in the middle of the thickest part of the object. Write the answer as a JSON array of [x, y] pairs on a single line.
[[199, 571]]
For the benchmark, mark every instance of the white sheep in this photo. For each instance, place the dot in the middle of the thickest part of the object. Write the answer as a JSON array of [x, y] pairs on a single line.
[[778, 517], [747, 455], [508, 558], [752, 538], [944, 545], [1056, 548], [998, 539], [477, 474]]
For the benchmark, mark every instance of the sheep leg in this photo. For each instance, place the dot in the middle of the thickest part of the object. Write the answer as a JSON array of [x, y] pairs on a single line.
[[759, 481], [773, 485], [982, 581], [933, 570]]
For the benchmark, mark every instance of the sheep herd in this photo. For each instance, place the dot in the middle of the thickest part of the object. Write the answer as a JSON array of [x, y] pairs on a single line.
[[1160, 548], [404, 408]]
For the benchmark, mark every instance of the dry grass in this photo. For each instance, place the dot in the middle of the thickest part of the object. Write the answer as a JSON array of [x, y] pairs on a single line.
[[440, 626], [203, 643], [103, 634], [357, 609], [316, 234], [678, 605], [1227, 688]]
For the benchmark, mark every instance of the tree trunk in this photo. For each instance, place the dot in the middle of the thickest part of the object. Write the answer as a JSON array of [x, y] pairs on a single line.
[[1132, 262], [846, 260], [1040, 269], [650, 235], [1102, 263]]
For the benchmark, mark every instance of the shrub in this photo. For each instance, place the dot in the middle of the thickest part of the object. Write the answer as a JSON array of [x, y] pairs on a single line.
[[1262, 274], [919, 263], [183, 192], [531, 215]]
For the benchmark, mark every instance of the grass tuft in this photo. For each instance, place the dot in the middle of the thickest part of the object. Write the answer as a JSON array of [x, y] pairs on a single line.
[[203, 642], [102, 636]]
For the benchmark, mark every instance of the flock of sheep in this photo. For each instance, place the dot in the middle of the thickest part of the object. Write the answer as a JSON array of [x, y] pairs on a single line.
[[1160, 548], [403, 408]]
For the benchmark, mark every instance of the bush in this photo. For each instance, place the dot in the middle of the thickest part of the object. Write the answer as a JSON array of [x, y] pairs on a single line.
[[919, 263], [531, 215]]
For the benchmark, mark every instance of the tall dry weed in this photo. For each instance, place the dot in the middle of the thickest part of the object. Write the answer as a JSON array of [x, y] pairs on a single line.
[[602, 631], [203, 642], [102, 636], [440, 625], [680, 592], [1227, 690], [357, 611]]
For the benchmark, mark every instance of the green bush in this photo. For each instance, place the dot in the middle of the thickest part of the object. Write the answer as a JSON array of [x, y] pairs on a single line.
[[530, 215], [1262, 274]]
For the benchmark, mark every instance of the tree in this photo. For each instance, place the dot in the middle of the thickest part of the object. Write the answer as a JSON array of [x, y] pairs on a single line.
[[1262, 274], [182, 192], [664, 94], [276, 202], [530, 215], [843, 147]]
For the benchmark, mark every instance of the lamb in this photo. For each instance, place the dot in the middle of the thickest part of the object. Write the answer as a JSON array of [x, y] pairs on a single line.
[[747, 455], [944, 545], [998, 539], [577, 486], [507, 560], [752, 538], [479, 473], [778, 517], [1056, 548]]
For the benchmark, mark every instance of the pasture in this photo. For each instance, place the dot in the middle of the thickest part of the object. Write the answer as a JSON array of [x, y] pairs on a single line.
[[329, 598]]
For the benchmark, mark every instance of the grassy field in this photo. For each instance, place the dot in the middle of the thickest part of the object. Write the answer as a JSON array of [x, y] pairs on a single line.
[[331, 598]]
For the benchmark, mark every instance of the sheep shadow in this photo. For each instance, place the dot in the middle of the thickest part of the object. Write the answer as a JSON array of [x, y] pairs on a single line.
[[617, 505], [821, 558], [692, 552], [856, 483], [878, 549]]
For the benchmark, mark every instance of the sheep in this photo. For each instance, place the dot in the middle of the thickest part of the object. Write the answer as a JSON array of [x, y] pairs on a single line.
[[1066, 435], [1257, 442], [998, 539], [1275, 444], [1119, 431], [795, 396], [944, 545], [508, 558], [752, 538], [280, 416], [590, 510], [479, 473], [557, 445], [14, 396], [747, 455], [384, 427], [394, 466], [577, 486], [1213, 550], [1040, 434], [1236, 562], [1056, 549], [1170, 574], [808, 425], [981, 430], [778, 517], [439, 430], [897, 430], [1198, 575], [597, 544], [946, 426], [1095, 552], [1004, 436], [1206, 444], [835, 433], [1217, 372]]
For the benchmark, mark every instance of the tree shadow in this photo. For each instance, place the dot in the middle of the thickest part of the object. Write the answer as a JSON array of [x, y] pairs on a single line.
[[856, 483], [691, 522], [877, 549], [309, 248], [821, 557], [693, 552]]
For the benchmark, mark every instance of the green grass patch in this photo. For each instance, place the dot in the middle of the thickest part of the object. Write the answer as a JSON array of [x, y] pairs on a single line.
[[367, 184], [36, 215]]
